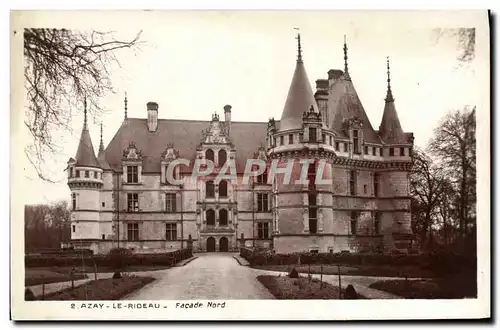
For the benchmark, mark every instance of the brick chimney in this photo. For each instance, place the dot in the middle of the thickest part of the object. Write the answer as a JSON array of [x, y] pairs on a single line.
[[152, 116]]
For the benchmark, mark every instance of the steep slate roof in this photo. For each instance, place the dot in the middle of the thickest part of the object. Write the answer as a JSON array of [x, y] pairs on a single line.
[[85, 155], [300, 98], [344, 103], [185, 135]]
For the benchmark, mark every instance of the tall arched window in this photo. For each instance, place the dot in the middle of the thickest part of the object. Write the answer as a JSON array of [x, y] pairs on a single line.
[[210, 217], [222, 157], [223, 217], [209, 155], [223, 189], [210, 189]]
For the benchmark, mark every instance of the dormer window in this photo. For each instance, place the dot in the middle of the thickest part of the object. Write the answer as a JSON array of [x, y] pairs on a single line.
[[132, 174], [86, 174], [290, 138], [366, 150], [282, 140], [356, 141], [391, 151], [301, 137], [209, 155], [77, 173], [401, 151], [312, 134], [323, 138]]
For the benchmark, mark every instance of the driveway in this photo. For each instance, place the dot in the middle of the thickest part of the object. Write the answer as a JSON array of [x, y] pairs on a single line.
[[210, 276]]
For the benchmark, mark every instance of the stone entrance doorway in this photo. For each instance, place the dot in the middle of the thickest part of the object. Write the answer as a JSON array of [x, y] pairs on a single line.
[[223, 244], [210, 244]]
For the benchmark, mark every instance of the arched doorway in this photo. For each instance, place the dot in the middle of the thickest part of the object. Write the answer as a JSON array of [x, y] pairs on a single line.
[[223, 244], [210, 244]]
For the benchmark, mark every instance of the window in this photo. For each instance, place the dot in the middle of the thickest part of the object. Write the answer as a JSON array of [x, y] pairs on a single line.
[[103, 204], [103, 236], [323, 138], [376, 223], [401, 151], [312, 134], [366, 150], [222, 157], [73, 200], [263, 230], [86, 174], [337, 145], [331, 140], [301, 137], [312, 199], [170, 202], [77, 173], [282, 140], [133, 202], [74, 228], [223, 189], [313, 221], [175, 175], [262, 203], [376, 183], [223, 217], [311, 173], [354, 222], [410, 151], [171, 232], [352, 183], [92, 173], [262, 178], [209, 155], [133, 231], [132, 174], [374, 151], [365, 189], [391, 151], [290, 138], [346, 147], [210, 217], [210, 189], [355, 141]]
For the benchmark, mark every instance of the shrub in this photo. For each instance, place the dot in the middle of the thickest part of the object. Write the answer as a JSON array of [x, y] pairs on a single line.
[[350, 293], [29, 295], [117, 275], [293, 273]]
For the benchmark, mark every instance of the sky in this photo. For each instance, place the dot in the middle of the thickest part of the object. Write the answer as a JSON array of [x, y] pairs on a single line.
[[194, 63]]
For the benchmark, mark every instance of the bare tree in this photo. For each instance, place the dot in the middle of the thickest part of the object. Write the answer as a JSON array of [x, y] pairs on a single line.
[[62, 68], [454, 145], [466, 42], [426, 185]]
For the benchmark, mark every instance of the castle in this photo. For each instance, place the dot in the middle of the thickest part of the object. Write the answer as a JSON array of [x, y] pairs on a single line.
[[124, 197]]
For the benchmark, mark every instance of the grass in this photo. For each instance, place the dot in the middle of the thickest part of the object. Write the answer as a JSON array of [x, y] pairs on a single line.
[[284, 287], [362, 270], [35, 276], [104, 289], [458, 287], [67, 269]]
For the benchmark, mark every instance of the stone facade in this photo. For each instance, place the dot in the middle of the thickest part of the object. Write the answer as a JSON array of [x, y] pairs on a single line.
[[123, 197]]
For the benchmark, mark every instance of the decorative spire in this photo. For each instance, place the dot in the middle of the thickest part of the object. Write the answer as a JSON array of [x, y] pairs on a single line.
[[101, 145], [85, 114], [346, 69], [126, 102], [389, 97], [299, 47]]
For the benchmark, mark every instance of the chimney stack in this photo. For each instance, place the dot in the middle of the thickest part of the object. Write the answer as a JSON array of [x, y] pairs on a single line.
[[227, 117], [152, 116]]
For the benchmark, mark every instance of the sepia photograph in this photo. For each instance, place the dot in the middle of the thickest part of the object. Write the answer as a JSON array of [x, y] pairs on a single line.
[[225, 164]]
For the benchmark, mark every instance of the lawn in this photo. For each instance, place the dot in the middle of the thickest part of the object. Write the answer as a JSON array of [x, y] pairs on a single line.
[[103, 289], [103, 269], [35, 276], [363, 270], [284, 287], [457, 287]]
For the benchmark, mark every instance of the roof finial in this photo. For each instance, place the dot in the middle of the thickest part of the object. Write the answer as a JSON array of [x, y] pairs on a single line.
[[126, 102], [101, 145], [346, 69], [299, 49], [85, 113], [389, 97]]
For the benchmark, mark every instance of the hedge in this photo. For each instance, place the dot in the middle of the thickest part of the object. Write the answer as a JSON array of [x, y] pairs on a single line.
[[439, 262], [110, 260]]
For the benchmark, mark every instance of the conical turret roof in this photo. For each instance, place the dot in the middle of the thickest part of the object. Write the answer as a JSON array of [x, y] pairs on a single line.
[[390, 130], [300, 97], [85, 155]]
